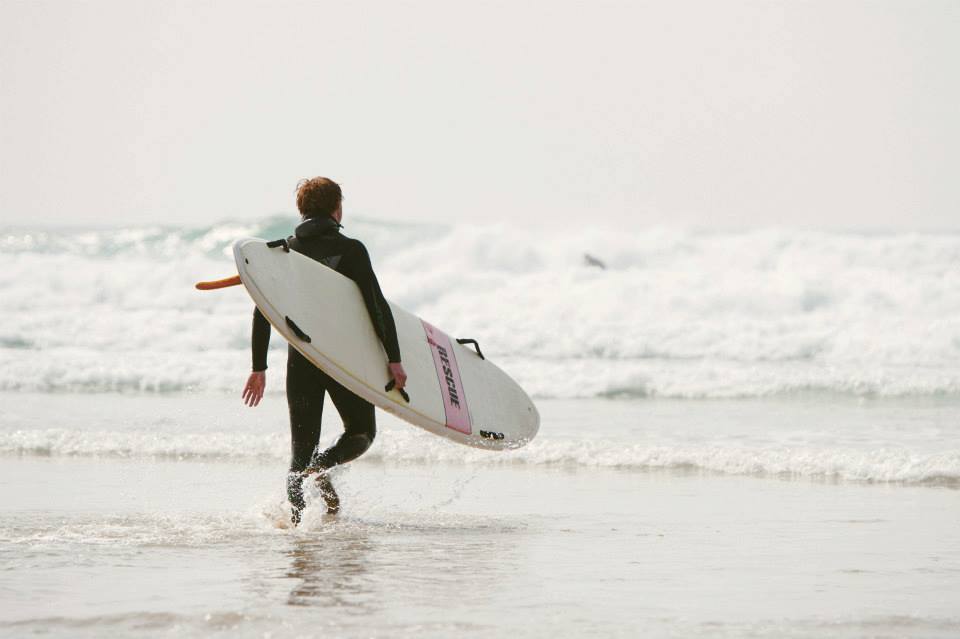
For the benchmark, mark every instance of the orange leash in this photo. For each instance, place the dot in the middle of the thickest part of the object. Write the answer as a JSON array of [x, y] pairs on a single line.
[[224, 283]]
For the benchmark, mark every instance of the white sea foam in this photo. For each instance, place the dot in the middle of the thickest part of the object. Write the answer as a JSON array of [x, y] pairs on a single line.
[[675, 313], [887, 464]]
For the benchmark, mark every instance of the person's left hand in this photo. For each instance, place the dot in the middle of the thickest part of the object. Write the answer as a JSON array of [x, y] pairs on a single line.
[[397, 374]]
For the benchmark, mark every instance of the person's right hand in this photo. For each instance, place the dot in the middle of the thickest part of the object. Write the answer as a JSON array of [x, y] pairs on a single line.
[[397, 374], [253, 391]]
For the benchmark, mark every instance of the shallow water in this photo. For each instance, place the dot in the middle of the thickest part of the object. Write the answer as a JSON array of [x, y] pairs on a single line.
[[102, 537]]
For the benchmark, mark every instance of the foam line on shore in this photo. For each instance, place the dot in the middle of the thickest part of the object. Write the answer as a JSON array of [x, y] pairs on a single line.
[[873, 465]]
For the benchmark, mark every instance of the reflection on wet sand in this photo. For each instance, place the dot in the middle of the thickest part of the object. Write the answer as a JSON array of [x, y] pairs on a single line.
[[332, 571]]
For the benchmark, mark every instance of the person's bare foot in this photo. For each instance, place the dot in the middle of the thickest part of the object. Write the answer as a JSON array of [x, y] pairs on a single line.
[[328, 493]]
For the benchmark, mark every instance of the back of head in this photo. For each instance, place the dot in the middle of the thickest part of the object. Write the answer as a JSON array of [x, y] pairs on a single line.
[[318, 197]]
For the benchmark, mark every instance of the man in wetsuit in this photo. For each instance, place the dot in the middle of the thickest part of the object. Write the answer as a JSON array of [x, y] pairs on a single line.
[[320, 203]]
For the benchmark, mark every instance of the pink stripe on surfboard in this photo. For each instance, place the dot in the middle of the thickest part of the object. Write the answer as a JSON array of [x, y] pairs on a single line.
[[451, 388]]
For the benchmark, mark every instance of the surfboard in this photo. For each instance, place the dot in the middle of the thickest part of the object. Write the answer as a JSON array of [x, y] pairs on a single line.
[[452, 390]]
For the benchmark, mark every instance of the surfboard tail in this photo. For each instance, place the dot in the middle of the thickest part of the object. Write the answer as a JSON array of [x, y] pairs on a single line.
[[215, 284]]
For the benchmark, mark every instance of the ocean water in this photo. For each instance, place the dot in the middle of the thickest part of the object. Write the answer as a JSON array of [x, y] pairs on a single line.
[[674, 314], [747, 433]]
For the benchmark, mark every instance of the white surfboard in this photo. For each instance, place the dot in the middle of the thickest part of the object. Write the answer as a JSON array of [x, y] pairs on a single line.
[[453, 391]]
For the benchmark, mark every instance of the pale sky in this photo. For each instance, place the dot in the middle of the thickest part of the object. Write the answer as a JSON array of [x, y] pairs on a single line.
[[711, 114]]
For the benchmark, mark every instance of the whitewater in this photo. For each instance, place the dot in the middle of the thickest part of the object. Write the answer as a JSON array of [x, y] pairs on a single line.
[[572, 312], [858, 325], [744, 433]]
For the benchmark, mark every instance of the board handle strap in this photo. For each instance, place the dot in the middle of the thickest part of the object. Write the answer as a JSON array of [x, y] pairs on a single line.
[[403, 393], [475, 345], [296, 329], [281, 242]]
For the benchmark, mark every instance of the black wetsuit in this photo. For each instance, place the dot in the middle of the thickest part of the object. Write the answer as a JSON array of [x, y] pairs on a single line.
[[307, 385]]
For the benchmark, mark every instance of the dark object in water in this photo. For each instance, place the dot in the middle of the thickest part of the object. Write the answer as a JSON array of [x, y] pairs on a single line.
[[590, 260]]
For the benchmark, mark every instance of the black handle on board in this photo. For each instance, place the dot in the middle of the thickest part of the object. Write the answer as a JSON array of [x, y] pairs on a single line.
[[403, 393], [281, 242], [297, 330], [475, 345]]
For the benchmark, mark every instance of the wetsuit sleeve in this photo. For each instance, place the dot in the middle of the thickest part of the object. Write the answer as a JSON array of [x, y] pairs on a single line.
[[259, 340], [377, 306]]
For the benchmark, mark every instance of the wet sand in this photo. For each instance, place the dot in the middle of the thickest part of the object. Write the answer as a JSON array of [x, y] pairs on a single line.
[[92, 546]]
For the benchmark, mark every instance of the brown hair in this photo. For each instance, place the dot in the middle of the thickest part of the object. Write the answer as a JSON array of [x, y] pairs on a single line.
[[318, 197]]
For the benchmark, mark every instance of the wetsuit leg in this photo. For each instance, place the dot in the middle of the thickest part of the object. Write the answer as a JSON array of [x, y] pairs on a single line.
[[359, 427], [305, 395]]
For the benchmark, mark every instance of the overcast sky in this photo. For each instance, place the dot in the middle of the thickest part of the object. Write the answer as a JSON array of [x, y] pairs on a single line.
[[714, 114]]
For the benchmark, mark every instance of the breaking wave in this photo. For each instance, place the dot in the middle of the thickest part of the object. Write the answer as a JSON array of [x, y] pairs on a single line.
[[574, 312]]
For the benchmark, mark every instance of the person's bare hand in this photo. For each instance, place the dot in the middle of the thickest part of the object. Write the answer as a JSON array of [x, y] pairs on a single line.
[[253, 391], [397, 374]]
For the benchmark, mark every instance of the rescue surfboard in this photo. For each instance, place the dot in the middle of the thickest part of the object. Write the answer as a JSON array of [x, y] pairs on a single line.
[[452, 390]]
